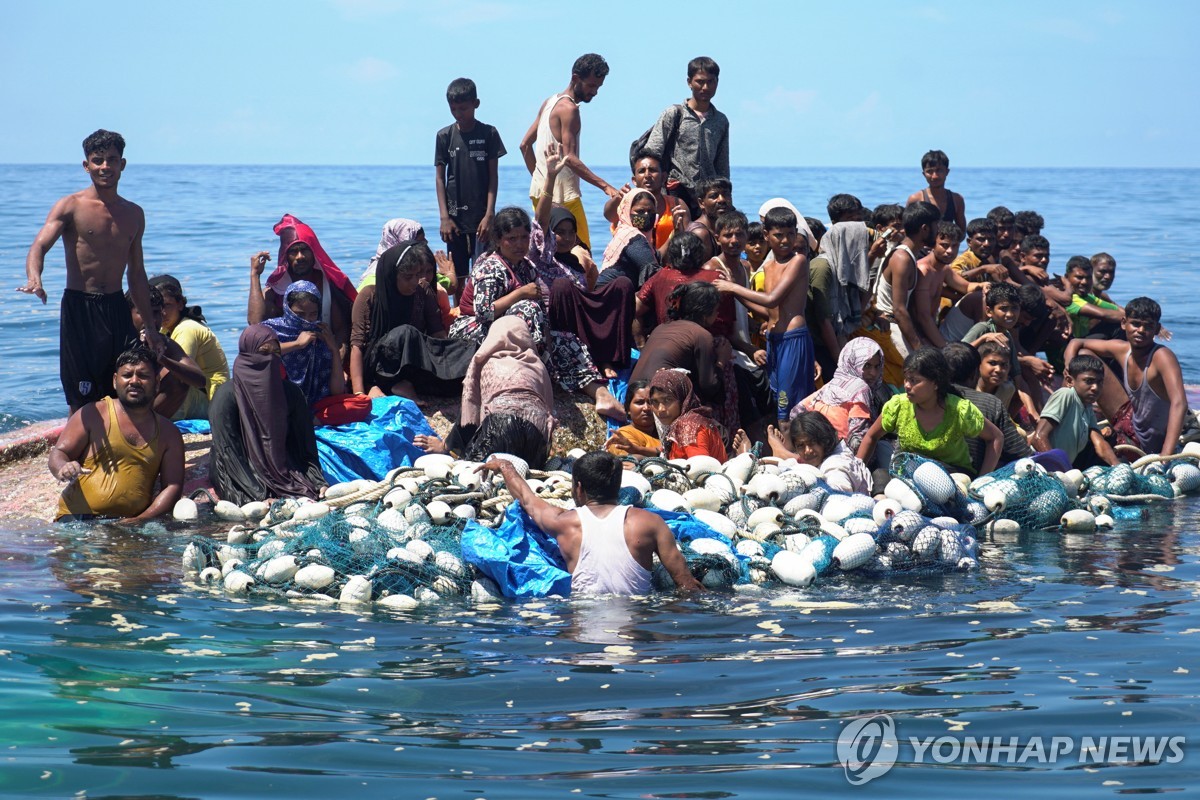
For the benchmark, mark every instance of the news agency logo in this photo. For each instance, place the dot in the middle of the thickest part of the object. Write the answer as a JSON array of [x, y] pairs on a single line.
[[868, 749]]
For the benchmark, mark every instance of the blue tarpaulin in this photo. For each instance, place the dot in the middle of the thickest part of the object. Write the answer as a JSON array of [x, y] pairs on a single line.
[[526, 562], [373, 448]]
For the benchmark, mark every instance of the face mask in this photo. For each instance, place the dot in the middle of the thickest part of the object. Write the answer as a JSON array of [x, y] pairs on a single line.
[[642, 221]]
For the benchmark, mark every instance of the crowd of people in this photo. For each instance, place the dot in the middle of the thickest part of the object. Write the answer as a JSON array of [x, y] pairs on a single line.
[[697, 330]]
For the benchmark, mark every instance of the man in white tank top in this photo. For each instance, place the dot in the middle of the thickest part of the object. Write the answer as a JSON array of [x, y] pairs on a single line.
[[558, 121], [608, 548]]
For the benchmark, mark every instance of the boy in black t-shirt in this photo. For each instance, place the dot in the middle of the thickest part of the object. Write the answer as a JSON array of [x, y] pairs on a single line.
[[465, 158]]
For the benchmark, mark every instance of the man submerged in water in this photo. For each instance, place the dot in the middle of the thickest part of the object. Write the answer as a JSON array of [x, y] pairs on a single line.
[[608, 548], [102, 234], [111, 453]]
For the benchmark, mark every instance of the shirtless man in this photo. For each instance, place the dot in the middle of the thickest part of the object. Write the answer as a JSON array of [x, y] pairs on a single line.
[[111, 452], [932, 272], [785, 296], [1151, 415], [716, 197], [102, 234], [608, 548], [898, 278], [558, 120]]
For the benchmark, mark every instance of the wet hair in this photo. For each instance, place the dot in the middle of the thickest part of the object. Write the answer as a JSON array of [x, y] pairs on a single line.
[[1143, 308], [981, 225], [1001, 293], [296, 297], [590, 65], [813, 426], [138, 354], [935, 158], [508, 433], [949, 230], [886, 215], [709, 184], [754, 232], [599, 476], [842, 205], [693, 301], [731, 219], [1000, 216], [644, 153], [1103, 258], [964, 361], [685, 252], [1028, 222], [703, 64], [779, 217], [1032, 241], [633, 388], [991, 348], [461, 90], [156, 298], [816, 227], [930, 364], [918, 214], [102, 140], [1081, 263], [506, 221], [170, 287], [417, 256], [1032, 300], [1085, 363]]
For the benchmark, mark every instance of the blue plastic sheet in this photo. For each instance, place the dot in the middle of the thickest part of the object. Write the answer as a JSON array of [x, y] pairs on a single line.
[[373, 448], [524, 561], [193, 426]]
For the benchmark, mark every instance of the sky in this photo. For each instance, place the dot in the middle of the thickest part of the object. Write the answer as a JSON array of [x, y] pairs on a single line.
[[863, 84]]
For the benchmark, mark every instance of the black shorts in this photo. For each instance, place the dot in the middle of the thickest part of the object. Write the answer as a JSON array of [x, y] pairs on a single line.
[[93, 330]]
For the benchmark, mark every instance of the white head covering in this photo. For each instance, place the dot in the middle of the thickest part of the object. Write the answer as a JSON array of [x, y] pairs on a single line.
[[801, 225]]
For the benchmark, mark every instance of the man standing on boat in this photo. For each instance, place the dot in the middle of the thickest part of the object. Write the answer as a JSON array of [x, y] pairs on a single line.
[[111, 453], [102, 234], [558, 121]]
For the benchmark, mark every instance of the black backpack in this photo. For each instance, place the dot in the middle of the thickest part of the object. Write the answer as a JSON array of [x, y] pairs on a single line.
[[639, 144]]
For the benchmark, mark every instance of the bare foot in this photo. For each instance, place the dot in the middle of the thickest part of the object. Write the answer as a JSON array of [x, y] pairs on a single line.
[[741, 442], [778, 445], [375, 392], [404, 389], [430, 444], [606, 404], [608, 371]]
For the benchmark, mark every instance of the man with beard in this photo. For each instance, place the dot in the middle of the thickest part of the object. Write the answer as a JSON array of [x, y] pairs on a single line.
[[111, 452], [558, 121]]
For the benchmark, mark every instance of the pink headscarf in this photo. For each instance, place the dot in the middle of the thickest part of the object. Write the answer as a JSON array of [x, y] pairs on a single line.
[[625, 233], [291, 230]]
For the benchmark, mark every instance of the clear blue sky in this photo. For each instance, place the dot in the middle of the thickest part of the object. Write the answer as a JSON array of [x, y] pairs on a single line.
[[823, 84]]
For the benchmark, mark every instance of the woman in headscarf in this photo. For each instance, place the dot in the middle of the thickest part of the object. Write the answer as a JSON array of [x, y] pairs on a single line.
[[510, 281], [310, 354], [631, 253], [852, 399], [398, 340], [187, 327], [685, 427], [301, 258], [508, 401], [601, 317], [263, 445], [395, 231]]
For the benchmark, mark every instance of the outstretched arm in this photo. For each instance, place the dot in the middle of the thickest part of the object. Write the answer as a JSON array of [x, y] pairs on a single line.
[[256, 306], [66, 456], [794, 270], [866, 450], [569, 128], [528, 140], [35, 262], [671, 558], [553, 520]]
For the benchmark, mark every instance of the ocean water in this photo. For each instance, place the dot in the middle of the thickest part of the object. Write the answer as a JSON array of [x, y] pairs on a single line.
[[119, 680]]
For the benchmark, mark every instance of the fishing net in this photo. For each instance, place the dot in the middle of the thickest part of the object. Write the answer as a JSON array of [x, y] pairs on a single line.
[[1122, 484], [940, 496], [1024, 493]]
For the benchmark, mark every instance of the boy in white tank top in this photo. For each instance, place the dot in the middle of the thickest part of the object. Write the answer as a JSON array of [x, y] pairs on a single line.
[[608, 548]]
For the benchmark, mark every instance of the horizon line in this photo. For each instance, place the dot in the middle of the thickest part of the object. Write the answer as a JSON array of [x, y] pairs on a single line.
[[598, 166]]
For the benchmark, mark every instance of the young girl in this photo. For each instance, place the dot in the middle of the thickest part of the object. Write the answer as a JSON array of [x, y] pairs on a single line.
[[187, 327], [854, 397], [640, 437], [685, 427], [309, 353], [931, 422], [811, 439]]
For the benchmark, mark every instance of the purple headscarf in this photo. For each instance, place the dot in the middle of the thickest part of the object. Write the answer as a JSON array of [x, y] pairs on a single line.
[[311, 367]]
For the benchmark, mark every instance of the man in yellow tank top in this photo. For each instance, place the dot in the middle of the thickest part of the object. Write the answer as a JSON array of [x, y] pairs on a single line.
[[111, 452]]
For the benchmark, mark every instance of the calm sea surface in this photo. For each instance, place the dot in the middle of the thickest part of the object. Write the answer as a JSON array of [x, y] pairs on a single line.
[[117, 680]]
